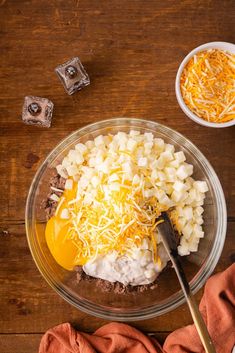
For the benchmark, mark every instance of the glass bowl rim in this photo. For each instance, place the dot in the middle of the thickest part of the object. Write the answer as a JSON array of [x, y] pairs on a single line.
[[177, 298]]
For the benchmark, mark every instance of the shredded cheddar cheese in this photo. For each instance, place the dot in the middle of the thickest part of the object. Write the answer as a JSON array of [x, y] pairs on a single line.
[[119, 224], [208, 85]]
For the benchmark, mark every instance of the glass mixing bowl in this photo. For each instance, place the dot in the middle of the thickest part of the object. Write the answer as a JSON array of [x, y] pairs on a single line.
[[133, 306]]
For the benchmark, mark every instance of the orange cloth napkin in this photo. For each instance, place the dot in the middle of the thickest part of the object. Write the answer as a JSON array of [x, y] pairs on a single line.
[[217, 307]]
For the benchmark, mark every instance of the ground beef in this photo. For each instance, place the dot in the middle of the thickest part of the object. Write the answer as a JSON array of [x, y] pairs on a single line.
[[49, 205], [115, 287], [58, 182]]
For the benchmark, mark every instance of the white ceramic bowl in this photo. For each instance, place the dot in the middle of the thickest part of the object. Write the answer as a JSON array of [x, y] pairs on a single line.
[[212, 45]]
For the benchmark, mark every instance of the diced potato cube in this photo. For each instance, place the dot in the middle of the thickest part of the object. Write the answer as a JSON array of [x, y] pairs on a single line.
[[98, 160], [121, 135], [182, 172], [142, 162], [199, 220], [81, 148], [72, 170], [161, 163], [174, 164], [90, 144], [92, 162], [62, 171], [181, 223], [169, 148], [187, 230], [188, 212], [131, 145], [201, 186], [189, 168], [198, 211], [89, 172], [75, 157], [113, 177], [167, 156], [199, 203], [193, 246], [170, 173], [198, 232], [193, 194], [176, 196], [104, 167], [66, 162], [148, 147], [159, 143], [183, 251], [148, 136], [164, 199], [180, 156], [179, 186], [127, 167], [83, 182], [99, 140], [134, 133], [180, 211], [161, 175]]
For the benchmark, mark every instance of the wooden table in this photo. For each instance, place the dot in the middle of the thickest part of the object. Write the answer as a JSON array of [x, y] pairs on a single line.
[[131, 50]]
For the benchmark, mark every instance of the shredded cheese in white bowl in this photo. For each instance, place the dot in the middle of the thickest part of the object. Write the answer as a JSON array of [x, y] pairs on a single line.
[[205, 84]]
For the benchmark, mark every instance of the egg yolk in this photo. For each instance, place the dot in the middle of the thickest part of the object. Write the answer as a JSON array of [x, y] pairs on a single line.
[[62, 248]]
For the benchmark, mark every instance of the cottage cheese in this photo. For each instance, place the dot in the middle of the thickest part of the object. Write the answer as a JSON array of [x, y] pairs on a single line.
[[135, 269]]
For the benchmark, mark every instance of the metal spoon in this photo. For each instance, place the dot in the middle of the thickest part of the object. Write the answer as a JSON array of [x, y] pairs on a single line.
[[169, 240]]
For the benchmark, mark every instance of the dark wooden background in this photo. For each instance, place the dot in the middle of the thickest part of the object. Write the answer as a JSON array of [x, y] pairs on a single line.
[[131, 50]]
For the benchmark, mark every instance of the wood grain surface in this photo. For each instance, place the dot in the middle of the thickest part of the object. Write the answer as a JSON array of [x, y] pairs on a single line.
[[131, 50]]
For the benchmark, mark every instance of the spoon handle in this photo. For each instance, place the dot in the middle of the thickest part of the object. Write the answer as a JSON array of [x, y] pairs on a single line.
[[168, 238], [196, 315]]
